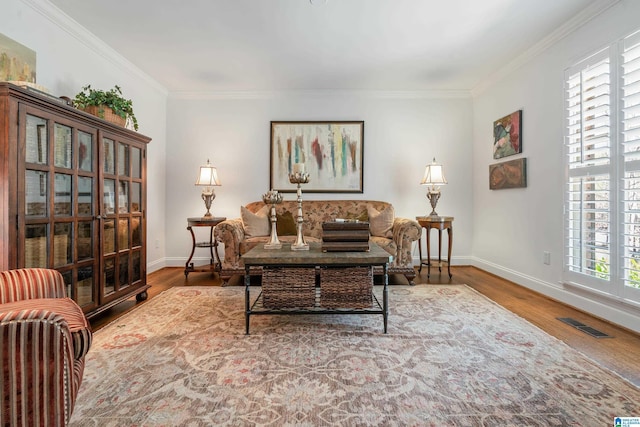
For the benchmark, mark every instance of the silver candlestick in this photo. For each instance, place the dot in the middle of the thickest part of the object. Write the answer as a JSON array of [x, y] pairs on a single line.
[[273, 198], [299, 178]]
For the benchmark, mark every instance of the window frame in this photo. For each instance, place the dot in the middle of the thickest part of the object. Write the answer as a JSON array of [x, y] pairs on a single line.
[[577, 167]]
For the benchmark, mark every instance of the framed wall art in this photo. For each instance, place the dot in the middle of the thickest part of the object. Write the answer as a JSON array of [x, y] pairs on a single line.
[[509, 174], [507, 135], [331, 152], [17, 62]]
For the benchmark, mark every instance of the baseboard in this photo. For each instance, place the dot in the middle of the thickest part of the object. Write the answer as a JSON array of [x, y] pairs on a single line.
[[156, 265], [621, 314]]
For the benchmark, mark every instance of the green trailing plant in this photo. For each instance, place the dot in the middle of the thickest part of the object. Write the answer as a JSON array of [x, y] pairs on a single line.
[[602, 269], [634, 274], [113, 99], [602, 272]]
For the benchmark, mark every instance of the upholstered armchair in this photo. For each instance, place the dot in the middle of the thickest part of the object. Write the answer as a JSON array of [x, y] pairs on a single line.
[[44, 337]]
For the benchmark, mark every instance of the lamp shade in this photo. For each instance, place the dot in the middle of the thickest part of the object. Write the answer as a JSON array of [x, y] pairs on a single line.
[[208, 176], [434, 174]]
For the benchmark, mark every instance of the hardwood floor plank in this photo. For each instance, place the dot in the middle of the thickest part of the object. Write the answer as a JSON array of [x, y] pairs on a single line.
[[620, 354]]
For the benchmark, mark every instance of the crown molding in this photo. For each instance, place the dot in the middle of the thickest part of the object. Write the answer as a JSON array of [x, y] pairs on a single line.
[[84, 36], [586, 15], [283, 94]]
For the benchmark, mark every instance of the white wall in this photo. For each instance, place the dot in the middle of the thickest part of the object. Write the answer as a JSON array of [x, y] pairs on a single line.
[[512, 228], [68, 57], [504, 232], [403, 132]]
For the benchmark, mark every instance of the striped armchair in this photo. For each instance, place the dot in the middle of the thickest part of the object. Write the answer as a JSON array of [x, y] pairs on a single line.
[[44, 337]]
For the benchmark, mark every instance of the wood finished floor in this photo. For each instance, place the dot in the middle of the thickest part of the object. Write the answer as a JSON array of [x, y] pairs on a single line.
[[620, 354]]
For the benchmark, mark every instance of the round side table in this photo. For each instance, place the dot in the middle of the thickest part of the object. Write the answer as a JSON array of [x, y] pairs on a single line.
[[214, 264], [439, 223]]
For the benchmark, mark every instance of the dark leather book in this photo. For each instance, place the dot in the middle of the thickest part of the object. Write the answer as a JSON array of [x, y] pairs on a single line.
[[345, 225], [345, 246], [345, 235]]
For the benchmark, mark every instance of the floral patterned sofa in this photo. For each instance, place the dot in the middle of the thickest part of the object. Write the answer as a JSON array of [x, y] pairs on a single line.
[[239, 235]]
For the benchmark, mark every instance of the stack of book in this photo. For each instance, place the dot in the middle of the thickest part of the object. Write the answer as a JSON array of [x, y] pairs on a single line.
[[345, 236]]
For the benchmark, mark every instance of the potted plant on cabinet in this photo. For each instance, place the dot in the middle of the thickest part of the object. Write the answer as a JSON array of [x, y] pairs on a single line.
[[109, 105]]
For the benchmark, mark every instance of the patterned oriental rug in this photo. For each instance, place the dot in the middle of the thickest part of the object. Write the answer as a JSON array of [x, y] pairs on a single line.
[[451, 358]]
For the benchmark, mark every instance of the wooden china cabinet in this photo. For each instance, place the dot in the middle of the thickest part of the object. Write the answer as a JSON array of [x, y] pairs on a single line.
[[73, 198]]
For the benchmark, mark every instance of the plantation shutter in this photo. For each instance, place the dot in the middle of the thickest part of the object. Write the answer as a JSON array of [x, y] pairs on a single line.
[[588, 161], [630, 149]]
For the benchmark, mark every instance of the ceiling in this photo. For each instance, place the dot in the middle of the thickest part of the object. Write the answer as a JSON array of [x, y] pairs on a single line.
[[267, 45]]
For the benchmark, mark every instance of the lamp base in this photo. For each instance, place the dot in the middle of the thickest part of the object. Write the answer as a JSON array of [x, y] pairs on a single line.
[[433, 196], [208, 197]]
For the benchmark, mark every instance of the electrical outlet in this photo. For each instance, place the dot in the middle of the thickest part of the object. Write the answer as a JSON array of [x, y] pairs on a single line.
[[157, 243], [546, 257]]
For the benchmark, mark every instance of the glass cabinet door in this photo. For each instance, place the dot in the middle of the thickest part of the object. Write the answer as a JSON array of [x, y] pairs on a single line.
[[60, 180], [122, 226]]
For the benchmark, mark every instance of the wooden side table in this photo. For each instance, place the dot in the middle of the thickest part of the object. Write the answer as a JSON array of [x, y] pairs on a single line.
[[440, 223], [214, 264]]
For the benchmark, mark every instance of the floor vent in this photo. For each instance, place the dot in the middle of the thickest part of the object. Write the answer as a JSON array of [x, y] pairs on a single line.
[[584, 328]]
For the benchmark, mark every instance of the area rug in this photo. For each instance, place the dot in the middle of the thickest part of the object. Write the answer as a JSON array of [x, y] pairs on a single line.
[[451, 358]]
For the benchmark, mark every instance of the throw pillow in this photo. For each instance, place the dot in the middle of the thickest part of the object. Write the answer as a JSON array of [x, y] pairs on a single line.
[[381, 223], [286, 225], [255, 224]]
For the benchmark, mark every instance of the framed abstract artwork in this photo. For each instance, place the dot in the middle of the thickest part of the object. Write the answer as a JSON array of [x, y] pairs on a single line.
[[331, 152], [509, 174], [507, 135]]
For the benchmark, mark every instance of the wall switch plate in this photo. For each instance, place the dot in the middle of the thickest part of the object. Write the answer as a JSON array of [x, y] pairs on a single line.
[[546, 257]]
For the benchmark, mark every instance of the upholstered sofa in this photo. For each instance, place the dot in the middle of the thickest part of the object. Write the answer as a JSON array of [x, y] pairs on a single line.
[[239, 235], [44, 337]]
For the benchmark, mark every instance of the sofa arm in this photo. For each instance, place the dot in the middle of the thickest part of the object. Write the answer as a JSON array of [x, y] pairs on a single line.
[[31, 283], [405, 232], [41, 378], [71, 313], [230, 233]]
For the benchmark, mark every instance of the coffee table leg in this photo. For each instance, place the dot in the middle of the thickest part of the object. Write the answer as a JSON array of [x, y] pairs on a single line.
[[247, 282], [385, 297]]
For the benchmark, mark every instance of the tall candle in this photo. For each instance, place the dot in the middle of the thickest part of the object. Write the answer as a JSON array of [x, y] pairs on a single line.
[[298, 168]]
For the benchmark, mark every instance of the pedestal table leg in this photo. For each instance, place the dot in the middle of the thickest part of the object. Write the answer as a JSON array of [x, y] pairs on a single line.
[[187, 266], [428, 252], [440, 250], [450, 232]]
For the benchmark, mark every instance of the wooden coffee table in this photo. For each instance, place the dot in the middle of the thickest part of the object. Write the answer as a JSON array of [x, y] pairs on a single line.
[[288, 265]]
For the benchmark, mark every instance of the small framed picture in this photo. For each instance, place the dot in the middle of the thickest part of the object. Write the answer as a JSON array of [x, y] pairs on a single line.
[[507, 135], [509, 174]]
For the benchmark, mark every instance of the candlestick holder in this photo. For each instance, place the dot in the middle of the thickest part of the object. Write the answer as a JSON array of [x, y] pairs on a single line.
[[273, 198], [299, 178]]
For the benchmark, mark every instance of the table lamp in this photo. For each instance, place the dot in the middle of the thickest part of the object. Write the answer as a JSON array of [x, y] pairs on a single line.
[[208, 178], [433, 177]]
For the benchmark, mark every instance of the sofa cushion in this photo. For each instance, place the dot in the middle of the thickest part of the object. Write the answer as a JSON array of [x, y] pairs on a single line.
[[255, 224], [286, 224], [381, 223]]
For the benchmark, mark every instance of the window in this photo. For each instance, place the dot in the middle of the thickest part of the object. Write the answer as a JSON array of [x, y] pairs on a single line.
[[602, 158]]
